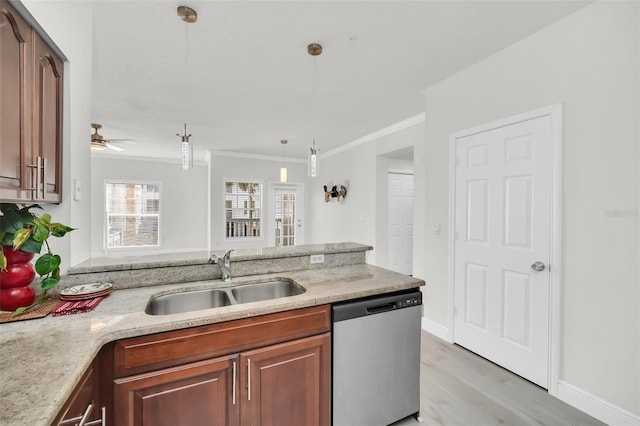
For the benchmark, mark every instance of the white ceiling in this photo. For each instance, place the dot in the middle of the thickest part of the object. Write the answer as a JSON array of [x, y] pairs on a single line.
[[250, 78]]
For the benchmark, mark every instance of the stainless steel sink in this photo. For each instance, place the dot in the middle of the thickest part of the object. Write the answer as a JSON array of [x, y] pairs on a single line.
[[266, 291], [194, 300], [187, 301]]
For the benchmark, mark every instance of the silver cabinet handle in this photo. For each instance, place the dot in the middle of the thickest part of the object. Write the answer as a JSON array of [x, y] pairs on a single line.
[[102, 421], [234, 384], [83, 420], [538, 266], [248, 380], [43, 186]]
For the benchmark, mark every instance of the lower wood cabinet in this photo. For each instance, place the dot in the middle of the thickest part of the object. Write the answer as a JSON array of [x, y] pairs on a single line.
[[287, 384], [84, 406], [272, 370], [199, 393]]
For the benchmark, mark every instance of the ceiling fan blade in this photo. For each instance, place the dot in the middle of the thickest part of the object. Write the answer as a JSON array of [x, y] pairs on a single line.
[[113, 147], [124, 141]]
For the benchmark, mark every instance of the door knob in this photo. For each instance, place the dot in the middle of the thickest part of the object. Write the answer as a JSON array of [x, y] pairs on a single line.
[[538, 266]]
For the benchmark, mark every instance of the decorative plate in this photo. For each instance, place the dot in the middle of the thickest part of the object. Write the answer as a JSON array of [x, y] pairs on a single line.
[[87, 290]]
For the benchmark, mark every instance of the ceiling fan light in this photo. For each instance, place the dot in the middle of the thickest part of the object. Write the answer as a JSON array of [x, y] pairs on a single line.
[[98, 145]]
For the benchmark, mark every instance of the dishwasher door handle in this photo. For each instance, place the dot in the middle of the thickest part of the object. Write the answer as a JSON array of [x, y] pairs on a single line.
[[381, 308]]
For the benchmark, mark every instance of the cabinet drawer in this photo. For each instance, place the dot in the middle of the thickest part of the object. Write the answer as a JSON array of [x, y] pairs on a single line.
[[152, 352]]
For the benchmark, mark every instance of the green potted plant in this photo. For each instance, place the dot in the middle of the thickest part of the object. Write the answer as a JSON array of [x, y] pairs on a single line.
[[22, 235]]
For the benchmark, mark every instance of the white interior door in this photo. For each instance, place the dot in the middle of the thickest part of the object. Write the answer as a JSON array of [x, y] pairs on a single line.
[[400, 220], [502, 223]]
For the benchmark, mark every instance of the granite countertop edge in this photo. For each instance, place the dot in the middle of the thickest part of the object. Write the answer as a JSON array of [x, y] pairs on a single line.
[[202, 257], [53, 353]]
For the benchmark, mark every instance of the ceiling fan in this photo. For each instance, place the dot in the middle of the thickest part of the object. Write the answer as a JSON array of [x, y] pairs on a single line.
[[99, 143]]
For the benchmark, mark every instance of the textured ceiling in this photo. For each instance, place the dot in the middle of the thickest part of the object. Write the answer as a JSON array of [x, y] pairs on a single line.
[[250, 81]]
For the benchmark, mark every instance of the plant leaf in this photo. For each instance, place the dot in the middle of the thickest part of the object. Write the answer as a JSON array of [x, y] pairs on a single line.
[[3, 261], [40, 230], [31, 246], [20, 237], [59, 230], [47, 263], [49, 283], [12, 221]]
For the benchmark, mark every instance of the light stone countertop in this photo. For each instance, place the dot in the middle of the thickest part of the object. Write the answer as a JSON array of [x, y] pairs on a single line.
[[42, 360]]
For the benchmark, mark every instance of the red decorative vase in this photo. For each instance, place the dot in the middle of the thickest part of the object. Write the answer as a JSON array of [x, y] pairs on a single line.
[[15, 290]]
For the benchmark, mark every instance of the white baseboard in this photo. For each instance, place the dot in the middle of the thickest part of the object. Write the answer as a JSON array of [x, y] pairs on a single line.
[[595, 406], [436, 329]]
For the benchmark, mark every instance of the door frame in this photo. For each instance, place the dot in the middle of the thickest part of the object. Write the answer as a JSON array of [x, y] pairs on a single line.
[[270, 222], [554, 112]]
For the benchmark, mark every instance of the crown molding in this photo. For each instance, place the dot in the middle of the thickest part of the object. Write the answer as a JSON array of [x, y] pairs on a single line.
[[257, 157], [400, 125]]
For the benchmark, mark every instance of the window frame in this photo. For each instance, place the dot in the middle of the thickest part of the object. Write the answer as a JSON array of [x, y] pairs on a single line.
[[120, 251], [224, 210]]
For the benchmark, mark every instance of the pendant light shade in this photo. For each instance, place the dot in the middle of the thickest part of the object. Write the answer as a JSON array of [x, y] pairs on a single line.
[[313, 161], [283, 170]]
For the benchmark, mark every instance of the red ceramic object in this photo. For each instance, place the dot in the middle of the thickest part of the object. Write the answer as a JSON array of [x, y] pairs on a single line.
[[14, 298], [16, 256], [15, 290], [17, 275]]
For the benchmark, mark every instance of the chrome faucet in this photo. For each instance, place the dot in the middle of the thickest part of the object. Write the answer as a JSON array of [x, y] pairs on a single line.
[[224, 264]]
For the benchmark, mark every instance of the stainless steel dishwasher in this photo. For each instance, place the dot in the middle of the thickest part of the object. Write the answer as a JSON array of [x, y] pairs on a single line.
[[376, 359]]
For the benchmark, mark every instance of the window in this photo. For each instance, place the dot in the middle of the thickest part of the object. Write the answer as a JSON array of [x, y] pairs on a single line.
[[243, 209], [133, 214]]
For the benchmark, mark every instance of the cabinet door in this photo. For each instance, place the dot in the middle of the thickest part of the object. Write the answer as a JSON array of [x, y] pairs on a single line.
[[288, 384], [15, 104], [200, 393], [85, 395], [47, 121]]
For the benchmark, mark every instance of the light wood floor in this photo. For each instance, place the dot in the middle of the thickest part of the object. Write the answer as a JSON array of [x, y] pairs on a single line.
[[457, 387]]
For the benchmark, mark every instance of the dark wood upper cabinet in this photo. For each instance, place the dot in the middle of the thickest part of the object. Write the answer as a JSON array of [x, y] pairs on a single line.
[[31, 93]]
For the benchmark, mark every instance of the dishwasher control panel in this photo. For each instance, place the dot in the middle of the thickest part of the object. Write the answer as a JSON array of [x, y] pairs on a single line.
[[412, 301], [376, 304]]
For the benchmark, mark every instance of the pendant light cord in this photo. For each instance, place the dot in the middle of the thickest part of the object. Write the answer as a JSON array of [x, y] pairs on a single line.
[[186, 72]]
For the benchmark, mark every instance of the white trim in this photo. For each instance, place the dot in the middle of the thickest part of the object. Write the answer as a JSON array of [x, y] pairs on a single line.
[[451, 236], [258, 157], [400, 172], [555, 112], [596, 406], [109, 156], [298, 188], [555, 267], [400, 125], [435, 328]]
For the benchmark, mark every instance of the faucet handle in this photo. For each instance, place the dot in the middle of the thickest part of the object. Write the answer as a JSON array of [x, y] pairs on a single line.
[[228, 254], [214, 259]]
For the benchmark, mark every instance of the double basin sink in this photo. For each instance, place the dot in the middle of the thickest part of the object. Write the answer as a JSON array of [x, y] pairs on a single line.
[[194, 300]]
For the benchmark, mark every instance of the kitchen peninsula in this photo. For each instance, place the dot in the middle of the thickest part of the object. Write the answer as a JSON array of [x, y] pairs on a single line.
[[43, 360]]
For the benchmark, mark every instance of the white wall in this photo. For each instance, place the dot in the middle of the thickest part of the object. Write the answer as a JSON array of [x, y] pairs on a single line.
[[589, 63], [70, 25], [184, 202], [362, 216], [261, 170]]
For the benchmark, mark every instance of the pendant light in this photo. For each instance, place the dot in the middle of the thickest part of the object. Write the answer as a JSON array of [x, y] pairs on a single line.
[[189, 16], [283, 170], [313, 161]]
